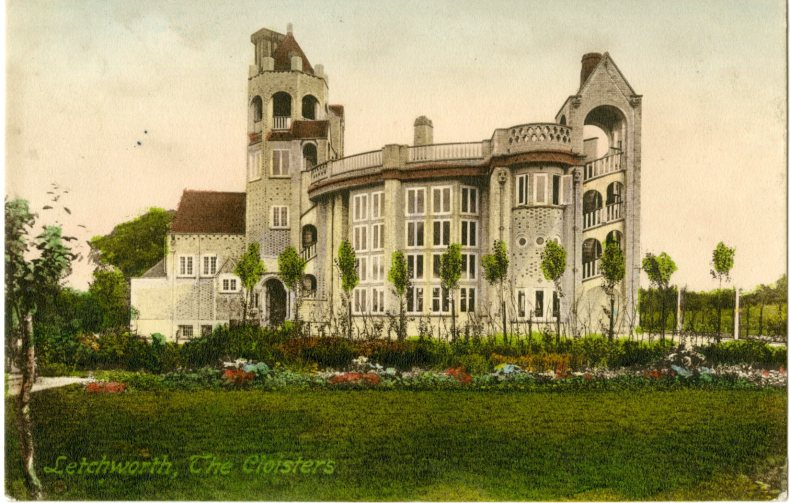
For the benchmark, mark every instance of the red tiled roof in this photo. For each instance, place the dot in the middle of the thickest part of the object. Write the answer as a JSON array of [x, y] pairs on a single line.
[[301, 129], [208, 212], [282, 56], [337, 110]]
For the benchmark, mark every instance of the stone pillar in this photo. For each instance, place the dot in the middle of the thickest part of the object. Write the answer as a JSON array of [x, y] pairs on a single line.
[[339, 232]]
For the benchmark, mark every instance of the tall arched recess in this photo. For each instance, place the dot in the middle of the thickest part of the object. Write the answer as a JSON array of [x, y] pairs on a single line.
[[612, 122]]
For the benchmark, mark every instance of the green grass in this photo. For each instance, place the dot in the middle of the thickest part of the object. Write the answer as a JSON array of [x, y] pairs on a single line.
[[454, 445]]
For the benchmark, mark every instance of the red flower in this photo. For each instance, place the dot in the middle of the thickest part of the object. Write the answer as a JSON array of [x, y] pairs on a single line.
[[588, 377], [237, 377], [105, 387], [459, 374], [350, 377]]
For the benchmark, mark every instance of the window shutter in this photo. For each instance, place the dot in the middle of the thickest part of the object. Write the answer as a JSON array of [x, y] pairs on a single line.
[[566, 184]]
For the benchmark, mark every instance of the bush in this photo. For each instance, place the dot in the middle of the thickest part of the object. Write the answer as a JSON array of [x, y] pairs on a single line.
[[333, 352], [744, 351]]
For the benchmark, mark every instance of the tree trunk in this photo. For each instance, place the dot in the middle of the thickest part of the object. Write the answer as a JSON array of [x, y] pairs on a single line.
[[504, 322], [350, 331], [452, 306], [718, 313], [662, 316], [24, 419], [611, 318], [760, 324], [402, 321]]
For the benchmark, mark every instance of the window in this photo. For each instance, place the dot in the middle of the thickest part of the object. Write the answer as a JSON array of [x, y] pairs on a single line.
[[415, 234], [416, 266], [377, 202], [539, 303], [377, 300], [360, 300], [229, 285], [360, 237], [468, 266], [279, 217], [254, 164], [437, 265], [468, 233], [467, 300], [186, 265], [522, 184], [186, 331], [377, 268], [522, 304], [540, 187], [441, 200], [205, 330], [441, 232], [469, 200], [256, 299], [209, 265], [441, 300], [555, 189], [257, 109], [360, 207], [415, 201], [378, 236], [414, 299], [362, 268], [280, 160]]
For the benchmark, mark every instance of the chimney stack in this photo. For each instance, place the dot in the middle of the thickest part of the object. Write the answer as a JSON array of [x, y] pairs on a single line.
[[289, 28], [423, 131], [589, 62]]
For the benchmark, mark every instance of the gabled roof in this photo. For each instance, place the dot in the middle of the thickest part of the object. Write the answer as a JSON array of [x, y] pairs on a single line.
[[282, 56], [602, 64], [300, 130], [209, 212], [157, 271]]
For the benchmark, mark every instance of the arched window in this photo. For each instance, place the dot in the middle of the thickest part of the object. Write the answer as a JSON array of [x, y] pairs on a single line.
[[309, 107], [614, 193], [309, 236], [281, 104], [310, 156], [309, 285], [257, 108], [607, 123], [591, 252], [591, 208], [615, 237]]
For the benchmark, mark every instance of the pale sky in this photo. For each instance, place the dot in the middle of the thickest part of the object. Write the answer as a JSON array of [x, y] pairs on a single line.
[[86, 78]]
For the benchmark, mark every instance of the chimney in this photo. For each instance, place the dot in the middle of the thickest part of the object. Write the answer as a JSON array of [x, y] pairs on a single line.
[[423, 131], [589, 62], [289, 28], [296, 63]]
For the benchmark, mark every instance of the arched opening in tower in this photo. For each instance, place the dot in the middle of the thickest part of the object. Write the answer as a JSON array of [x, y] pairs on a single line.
[[310, 107]]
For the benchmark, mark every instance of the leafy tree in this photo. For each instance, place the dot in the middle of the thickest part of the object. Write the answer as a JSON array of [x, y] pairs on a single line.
[[495, 267], [450, 265], [250, 270], [613, 272], [723, 260], [659, 270], [110, 291], [401, 282], [553, 262], [134, 246], [291, 266], [346, 263], [31, 276]]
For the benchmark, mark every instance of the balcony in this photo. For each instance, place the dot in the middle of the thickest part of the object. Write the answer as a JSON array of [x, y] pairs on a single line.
[[254, 138], [308, 253], [281, 123], [607, 164], [446, 152], [608, 214], [533, 137]]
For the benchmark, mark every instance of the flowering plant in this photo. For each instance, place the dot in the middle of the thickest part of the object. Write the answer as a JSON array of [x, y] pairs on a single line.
[[237, 377], [459, 374], [105, 387]]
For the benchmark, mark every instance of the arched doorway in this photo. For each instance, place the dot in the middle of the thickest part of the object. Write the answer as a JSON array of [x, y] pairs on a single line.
[[276, 302]]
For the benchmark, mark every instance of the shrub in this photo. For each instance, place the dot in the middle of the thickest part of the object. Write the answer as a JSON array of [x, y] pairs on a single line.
[[475, 363], [334, 352], [237, 377], [744, 351]]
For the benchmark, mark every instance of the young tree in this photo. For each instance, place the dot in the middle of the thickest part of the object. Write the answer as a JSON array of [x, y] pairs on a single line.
[[250, 269], [134, 246], [613, 272], [291, 266], [659, 270], [723, 260], [495, 272], [450, 264], [346, 263], [31, 276], [401, 282], [110, 291], [553, 263]]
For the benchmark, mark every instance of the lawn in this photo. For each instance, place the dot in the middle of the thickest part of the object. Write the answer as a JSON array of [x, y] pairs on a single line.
[[400, 445]]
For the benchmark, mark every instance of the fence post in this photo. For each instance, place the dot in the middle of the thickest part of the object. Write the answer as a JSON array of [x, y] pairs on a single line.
[[736, 318]]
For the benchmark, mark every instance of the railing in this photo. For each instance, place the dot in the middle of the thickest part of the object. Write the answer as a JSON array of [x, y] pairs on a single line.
[[309, 252], [599, 216], [603, 166], [281, 122], [590, 269], [446, 152], [355, 162], [536, 136], [319, 172]]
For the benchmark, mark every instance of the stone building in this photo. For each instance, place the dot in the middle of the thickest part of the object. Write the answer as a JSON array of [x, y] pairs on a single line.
[[575, 180]]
